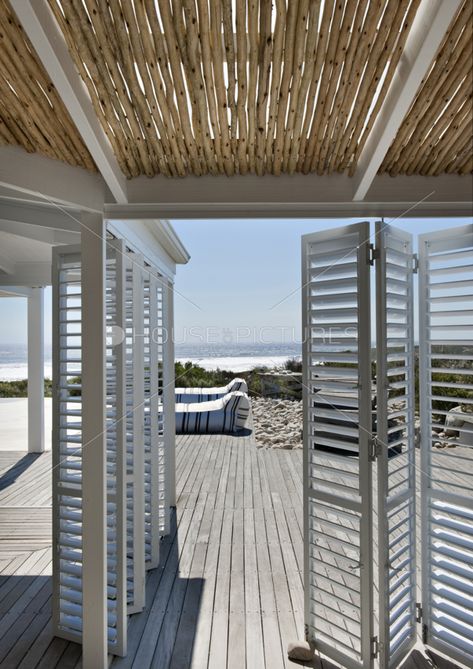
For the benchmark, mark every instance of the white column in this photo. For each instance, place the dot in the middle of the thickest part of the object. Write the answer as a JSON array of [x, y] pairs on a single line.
[[94, 483], [36, 370], [169, 395]]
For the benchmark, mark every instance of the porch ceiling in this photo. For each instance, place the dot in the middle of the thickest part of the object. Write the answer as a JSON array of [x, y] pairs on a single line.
[[198, 87], [32, 115], [436, 134]]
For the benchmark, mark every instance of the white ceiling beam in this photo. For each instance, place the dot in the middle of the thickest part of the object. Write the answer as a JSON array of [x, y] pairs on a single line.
[[39, 218], [51, 181], [292, 196], [38, 233], [15, 291], [28, 274], [48, 41], [432, 20], [6, 265]]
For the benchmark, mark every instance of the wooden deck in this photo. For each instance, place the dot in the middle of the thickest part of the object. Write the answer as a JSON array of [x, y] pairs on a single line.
[[229, 591]]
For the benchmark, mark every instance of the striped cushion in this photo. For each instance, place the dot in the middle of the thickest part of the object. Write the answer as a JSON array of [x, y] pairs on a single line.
[[224, 415], [208, 394]]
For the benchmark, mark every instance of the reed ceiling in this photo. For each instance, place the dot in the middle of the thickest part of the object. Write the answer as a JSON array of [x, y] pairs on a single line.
[[436, 136], [32, 114], [236, 86]]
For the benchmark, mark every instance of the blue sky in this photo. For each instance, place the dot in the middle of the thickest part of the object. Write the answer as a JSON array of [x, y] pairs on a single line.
[[245, 275], [239, 270]]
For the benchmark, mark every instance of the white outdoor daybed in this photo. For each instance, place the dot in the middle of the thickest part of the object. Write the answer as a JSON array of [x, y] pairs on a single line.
[[207, 394], [226, 414]]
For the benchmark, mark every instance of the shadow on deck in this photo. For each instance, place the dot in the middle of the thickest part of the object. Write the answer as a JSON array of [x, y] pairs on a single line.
[[228, 593]]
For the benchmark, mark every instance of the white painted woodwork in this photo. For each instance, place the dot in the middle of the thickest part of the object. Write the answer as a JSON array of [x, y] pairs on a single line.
[[16, 291], [35, 231], [337, 412], [396, 444], [286, 196], [7, 266], [52, 181], [40, 26], [36, 370], [153, 239], [445, 333], [220, 197], [117, 591], [431, 22], [337, 444], [94, 473], [135, 432], [29, 274], [168, 392]]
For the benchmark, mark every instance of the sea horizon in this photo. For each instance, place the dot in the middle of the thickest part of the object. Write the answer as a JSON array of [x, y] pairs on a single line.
[[227, 356]]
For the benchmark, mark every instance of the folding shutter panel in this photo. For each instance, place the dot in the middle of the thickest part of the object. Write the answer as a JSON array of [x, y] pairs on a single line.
[[337, 444], [67, 457], [135, 433], [67, 444], [395, 444], [116, 440], [162, 455], [446, 382], [152, 535]]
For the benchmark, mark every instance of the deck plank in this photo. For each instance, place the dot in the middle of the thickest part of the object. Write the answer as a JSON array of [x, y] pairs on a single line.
[[228, 593]]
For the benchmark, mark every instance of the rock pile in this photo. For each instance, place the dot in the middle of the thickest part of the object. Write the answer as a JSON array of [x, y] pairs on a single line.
[[277, 423], [447, 436]]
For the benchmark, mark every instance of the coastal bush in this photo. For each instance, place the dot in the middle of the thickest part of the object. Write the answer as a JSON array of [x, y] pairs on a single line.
[[293, 365], [20, 388], [190, 375]]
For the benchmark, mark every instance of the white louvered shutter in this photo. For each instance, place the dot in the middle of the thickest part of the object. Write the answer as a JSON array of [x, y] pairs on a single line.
[[67, 455], [116, 438], [395, 444], [152, 390], [446, 381], [134, 308], [161, 457], [338, 401]]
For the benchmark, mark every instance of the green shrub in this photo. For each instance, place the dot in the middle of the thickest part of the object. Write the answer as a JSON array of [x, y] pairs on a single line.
[[20, 388]]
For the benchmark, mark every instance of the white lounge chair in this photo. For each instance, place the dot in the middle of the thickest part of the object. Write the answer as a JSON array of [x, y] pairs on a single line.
[[208, 394], [223, 415]]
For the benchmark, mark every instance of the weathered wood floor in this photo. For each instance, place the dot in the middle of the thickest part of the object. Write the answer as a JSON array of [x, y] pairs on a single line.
[[229, 589]]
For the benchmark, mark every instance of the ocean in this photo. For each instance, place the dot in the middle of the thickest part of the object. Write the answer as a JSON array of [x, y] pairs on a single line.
[[232, 357]]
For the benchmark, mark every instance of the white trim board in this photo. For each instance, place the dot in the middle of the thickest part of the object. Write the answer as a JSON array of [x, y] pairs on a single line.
[[51, 180], [148, 238]]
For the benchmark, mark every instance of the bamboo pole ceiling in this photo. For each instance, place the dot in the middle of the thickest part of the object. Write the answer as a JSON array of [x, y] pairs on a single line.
[[436, 136], [32, 114], [236, 86]]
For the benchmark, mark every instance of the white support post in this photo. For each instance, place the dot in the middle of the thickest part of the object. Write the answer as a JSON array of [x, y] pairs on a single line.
[[94, 483], [169, 394], [36, 370]]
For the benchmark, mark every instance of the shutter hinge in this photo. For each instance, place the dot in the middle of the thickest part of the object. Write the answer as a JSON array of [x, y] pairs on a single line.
[[375, 448], [374, 647], [425, 635], [418, 612], [373, 254], [419, 618], [306, 632], [415, 263]]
